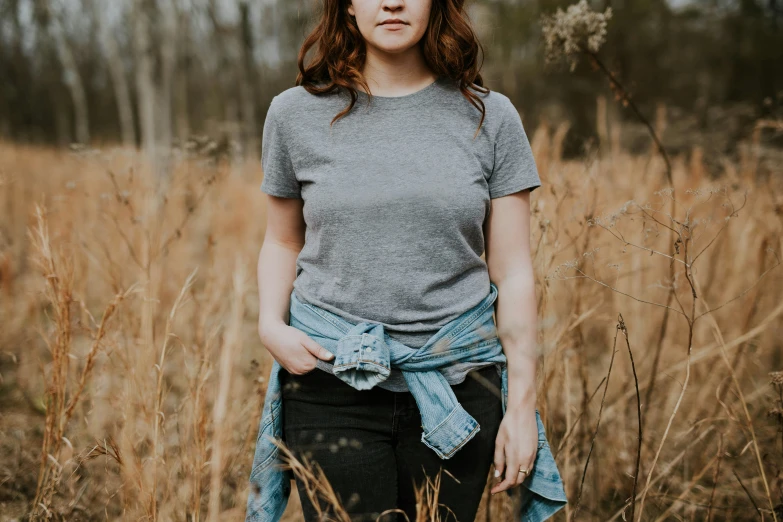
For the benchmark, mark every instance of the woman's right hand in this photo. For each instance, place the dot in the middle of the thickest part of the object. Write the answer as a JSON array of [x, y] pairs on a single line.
[[293, 349]]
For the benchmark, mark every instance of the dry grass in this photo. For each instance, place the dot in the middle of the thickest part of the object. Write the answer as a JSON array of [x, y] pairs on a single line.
[[131, 375]]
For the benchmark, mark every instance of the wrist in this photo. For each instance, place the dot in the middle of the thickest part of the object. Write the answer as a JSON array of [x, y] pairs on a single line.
[[524, 396], [522, 385], [265, 327]]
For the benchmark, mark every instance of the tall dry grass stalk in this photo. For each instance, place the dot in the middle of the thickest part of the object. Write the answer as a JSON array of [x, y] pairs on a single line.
[[132, 298], [61, 396], [220, 409]]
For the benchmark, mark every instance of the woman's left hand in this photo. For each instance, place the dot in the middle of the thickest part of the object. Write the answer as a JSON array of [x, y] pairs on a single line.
[[516, 446]]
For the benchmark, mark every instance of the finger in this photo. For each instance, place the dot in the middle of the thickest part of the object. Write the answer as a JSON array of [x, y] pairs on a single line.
[[509, 475], [316, 349], [521, 477], [499, 459], [533, 462], [529, 466]]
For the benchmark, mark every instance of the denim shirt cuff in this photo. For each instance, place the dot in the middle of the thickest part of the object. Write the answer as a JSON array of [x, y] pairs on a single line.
[[450, 435], [362, 360]]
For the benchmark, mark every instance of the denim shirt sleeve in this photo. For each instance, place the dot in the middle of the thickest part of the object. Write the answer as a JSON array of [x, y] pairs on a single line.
[[270, 482], [542, 493]]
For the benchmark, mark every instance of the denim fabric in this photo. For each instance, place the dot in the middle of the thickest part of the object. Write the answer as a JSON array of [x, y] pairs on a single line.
[[364, 354]]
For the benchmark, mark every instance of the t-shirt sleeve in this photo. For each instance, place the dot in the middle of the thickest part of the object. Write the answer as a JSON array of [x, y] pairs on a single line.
[[279, 176], [514, 168]]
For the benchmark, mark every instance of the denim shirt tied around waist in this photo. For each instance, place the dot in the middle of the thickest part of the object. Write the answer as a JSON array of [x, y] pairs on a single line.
[[364, 356]]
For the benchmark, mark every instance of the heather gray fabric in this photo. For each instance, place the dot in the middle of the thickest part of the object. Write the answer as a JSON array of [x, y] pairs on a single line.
[[395, 196]]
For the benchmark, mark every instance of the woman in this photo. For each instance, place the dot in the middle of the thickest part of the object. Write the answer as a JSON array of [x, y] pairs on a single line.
[[390, 170]]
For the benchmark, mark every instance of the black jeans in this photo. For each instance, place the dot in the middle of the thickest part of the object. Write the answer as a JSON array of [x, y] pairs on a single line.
[[368, 444]]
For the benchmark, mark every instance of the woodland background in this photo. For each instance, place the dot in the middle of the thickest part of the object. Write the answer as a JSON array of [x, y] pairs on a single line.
[[135, 70]]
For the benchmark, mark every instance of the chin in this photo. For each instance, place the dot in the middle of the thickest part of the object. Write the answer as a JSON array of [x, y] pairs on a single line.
[[393, 47]]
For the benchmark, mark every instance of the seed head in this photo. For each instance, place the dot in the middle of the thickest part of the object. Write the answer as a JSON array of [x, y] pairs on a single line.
[[568, 33]]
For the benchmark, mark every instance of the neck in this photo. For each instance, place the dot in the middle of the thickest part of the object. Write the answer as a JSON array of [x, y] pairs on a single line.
[[389, 74]]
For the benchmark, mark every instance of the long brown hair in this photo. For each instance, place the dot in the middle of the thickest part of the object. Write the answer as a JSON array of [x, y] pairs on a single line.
[[450, 48]]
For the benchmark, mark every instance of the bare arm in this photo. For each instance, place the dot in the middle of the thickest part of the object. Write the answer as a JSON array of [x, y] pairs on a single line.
[[283, 240], [507, 237]]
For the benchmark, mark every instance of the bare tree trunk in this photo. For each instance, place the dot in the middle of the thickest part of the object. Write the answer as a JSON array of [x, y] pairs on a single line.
[[144, 85], [168, 62], [73, 79], [11, 66], [247, 83], [119, 81], [74, 82], [233, 61], [181, 73]]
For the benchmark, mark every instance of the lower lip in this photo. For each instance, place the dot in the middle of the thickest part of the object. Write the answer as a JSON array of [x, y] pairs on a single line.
[[393, 27]]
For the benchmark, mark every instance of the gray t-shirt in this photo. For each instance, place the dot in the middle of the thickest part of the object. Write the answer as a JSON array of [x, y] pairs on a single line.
[[395, 195]]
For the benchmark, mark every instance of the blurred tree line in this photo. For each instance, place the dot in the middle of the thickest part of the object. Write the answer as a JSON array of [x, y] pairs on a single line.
[[149, 72]]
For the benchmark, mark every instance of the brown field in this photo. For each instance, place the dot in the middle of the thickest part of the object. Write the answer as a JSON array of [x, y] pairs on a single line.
[[131, 374]]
